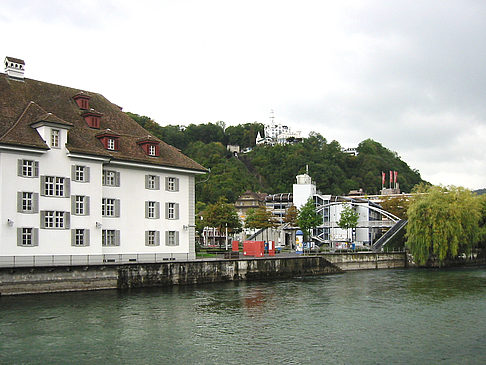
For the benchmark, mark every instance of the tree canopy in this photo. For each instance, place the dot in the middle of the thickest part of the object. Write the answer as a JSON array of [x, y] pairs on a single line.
[[260, 218], [308, 218], [442, 223], [222, 215], [349, 218]]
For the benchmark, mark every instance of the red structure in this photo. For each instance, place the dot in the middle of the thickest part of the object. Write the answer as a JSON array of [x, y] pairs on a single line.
[[253, 248], [235, 245], [271, 248]]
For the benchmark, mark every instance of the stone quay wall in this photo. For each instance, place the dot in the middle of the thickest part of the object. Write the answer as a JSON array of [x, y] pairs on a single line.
[[25, 280]]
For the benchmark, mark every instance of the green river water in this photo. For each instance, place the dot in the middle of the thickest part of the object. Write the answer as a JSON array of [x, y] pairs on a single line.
[[365, 317]]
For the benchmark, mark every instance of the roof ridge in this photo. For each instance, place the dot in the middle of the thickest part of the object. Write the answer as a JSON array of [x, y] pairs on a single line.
[[21, 116]]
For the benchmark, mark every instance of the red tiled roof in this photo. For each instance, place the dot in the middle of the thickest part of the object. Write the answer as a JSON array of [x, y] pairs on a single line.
[[28, 102]]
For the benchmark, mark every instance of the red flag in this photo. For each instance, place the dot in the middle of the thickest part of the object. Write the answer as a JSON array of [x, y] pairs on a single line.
[[391, 176], [382, 178], [396, 176]]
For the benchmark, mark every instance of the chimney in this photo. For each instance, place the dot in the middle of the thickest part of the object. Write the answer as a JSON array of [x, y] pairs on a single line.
[[14, 68]]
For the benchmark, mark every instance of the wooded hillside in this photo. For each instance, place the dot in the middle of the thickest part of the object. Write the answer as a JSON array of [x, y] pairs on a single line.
[[273, 169]]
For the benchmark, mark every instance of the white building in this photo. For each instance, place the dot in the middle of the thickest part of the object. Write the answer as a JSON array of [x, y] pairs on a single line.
[[81, 182], [372, 219], [277, 133]]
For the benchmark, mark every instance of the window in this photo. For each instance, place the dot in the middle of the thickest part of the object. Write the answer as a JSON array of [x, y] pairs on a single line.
[[171, 210], [110, 207], [110, 237], [27, 237], [55, 138], [80, 173], [110, 144], [152, 182], [171, 184], [152, 150], [27, 202], [152, 238], [80, 205], [171, 238], [80, 237], [28, 168], [51, 219], [152, 210], [111, 178], [55, 186]]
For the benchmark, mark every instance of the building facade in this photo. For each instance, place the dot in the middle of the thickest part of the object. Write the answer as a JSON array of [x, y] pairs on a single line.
[[79, 179]]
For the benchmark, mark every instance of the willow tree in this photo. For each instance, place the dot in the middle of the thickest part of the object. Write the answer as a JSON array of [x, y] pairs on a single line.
[[442, 222]]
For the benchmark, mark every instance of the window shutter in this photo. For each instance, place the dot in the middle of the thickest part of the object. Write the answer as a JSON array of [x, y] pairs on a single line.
[[103, 178], [86, 174], [43, 185], [35, 236], [67, 220], [166, 183], [157, 210], [67, 187], [157, 182], [86, 237], [177, 238], [176, 184], [146, 238], [117, 208], [157, 238], [117, 178], [19, 167], [73, 204], [36, 168], [166, 210], [42, 219], [73, 237], [73, 172], [176, 211], [117, 237], [167, 238], [146, 209], [147, 177], [19, 201], [35, 203], [19, 236], [86, 205]]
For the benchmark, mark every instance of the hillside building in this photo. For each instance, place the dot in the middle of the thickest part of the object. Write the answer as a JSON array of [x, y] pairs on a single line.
[[81, 181]]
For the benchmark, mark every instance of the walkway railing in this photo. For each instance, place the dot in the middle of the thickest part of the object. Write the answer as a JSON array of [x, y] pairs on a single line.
[[84, 260]]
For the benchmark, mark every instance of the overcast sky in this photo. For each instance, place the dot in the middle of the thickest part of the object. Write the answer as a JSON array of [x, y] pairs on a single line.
[[408, 74]]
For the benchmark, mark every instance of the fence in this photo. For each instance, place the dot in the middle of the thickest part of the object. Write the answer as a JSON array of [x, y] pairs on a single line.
[[83, 260]]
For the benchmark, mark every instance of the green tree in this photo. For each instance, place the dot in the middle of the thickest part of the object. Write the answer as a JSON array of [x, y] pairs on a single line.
[[349, 219], [222, 215], [442, 223], [308, 218], [291, 215], [260, 218], [396, 205]]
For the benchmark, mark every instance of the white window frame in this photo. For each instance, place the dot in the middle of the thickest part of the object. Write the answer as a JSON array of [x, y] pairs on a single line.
[[80, 237], [111, 178], [172, 238], [110, 144], [79, 205], [55, 138], [171, 183], [28, 168], [55, 186], [152, 238], [27, 202], [110, 207], [80, 173], [152, 182], [27, 236], [171, 210], [110, 237], [54, 219], [152, 150]]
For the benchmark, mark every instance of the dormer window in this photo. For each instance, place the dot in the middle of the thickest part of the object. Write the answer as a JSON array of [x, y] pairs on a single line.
[[92, 118], [55, 138], [150, 146], [82, 100], [110, 144], [109, 140]]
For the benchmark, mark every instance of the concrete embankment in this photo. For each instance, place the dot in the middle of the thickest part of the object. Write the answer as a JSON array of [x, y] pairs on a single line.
[[76, 278]]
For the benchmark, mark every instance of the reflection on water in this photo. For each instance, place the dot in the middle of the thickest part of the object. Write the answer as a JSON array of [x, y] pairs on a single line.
[[388, 316]]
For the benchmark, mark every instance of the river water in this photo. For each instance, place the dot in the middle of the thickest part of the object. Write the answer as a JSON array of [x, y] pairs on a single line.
[[367, 317]]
